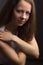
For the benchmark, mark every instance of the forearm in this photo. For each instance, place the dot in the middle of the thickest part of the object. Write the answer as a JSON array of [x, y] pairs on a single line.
[[22, 57], [24, 46], [10, 52], [27, 47]]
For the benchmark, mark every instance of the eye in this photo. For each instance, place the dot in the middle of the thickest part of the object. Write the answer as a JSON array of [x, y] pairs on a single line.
[[19, 11], [28, 13]]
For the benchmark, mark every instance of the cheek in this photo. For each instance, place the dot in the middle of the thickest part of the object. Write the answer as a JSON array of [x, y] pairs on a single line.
[[16, 15], [27, 18]]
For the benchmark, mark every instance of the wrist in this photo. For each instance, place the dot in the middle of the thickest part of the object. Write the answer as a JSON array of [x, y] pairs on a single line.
[[13, 37]]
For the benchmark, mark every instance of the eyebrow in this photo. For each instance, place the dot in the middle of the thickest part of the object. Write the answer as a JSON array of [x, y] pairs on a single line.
[[23, 10]]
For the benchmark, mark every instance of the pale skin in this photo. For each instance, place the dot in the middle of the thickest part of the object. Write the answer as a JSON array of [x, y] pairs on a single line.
[[21, 14], [19, 58], [31, 47]]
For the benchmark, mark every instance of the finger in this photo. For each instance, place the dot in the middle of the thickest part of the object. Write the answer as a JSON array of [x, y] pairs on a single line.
[[1, 39], [1, 36], [1, 31]]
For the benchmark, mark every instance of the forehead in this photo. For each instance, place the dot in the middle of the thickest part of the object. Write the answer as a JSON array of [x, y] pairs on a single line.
[[24, 5]]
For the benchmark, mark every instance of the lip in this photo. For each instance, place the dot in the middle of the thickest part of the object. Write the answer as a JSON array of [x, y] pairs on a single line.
[[21, 21]]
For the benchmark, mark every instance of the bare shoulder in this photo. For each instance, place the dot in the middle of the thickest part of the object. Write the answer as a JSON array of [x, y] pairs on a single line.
[[33, 41]]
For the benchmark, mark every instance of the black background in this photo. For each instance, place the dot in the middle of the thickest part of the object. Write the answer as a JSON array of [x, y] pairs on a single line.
[[39, 33]]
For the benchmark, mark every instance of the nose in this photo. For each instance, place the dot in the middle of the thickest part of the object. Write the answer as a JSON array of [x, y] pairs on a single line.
[[23, 16]]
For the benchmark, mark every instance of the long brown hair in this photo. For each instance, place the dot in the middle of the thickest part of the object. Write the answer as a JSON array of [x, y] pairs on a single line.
[[28, 29], [6, 13]]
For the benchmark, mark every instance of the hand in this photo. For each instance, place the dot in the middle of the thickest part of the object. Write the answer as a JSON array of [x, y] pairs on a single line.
[[6, 35]]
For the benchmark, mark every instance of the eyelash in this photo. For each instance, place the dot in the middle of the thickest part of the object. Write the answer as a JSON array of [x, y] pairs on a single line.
[[21, 11], [27, 13]]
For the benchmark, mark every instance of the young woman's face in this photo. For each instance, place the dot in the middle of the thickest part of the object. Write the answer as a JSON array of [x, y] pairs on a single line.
[[22, 12]]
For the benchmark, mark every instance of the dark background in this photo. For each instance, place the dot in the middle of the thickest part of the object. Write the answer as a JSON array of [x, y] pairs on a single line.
[[39, 33]]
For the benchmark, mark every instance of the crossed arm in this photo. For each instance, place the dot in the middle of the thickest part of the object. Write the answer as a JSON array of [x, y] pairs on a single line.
[[27, 47], [19, 58]]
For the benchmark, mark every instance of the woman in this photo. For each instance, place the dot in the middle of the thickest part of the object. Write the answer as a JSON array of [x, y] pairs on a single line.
[[20, 18]]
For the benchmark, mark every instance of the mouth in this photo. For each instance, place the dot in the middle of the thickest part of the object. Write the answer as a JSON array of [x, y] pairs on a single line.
[[20, 23]]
